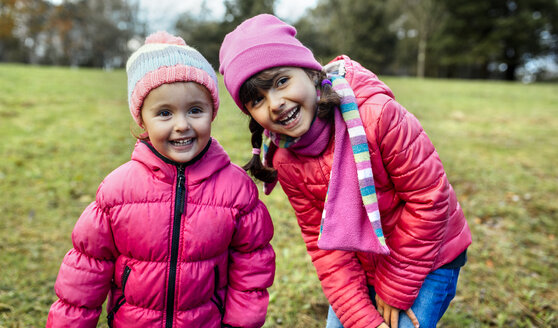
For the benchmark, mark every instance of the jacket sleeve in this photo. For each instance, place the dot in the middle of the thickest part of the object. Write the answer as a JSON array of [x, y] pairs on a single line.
[[251, 267], [86, 272], [340, 273], [419, 180]]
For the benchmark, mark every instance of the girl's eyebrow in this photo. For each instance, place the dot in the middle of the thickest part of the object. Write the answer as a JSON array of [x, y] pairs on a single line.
[[278, 72], [158, 105]]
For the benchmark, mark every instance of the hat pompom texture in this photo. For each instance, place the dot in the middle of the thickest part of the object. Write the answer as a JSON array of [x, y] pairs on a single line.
[[165, 58], [164, 37]]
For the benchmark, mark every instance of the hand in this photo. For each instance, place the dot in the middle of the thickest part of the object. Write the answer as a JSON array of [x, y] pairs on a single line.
[[391, 314]]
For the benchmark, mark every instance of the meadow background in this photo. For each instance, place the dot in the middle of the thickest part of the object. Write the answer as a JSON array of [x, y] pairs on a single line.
[[63, 130]]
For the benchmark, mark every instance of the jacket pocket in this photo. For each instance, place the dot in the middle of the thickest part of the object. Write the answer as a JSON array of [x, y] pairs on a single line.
[[216, 299], [122, 299]]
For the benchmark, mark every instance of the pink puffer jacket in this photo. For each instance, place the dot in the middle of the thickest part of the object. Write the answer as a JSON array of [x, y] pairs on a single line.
[[173, 246], [423, 223]]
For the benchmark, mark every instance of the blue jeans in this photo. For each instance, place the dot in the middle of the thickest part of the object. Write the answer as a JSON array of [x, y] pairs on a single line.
[[430, 305]]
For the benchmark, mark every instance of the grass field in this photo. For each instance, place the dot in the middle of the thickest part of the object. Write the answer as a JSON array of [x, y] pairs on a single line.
[[62, 130]]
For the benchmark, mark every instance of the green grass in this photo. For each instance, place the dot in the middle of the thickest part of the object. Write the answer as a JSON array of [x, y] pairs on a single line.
[[63, 130]]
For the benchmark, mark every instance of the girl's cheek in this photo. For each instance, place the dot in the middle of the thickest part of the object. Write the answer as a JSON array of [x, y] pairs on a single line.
[[263, 123]]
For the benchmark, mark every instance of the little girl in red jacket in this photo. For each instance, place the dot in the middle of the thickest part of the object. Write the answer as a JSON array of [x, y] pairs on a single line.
[[381, 223], [177, 236]]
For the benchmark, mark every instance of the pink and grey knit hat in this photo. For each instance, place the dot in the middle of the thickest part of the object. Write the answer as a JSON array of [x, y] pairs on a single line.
[[165, 58], [259, 43]]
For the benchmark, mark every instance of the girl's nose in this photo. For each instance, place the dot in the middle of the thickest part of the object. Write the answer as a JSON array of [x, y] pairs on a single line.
[[181, 123], [276, 101]]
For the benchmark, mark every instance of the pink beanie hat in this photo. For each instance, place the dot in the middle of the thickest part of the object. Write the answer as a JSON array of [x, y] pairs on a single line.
[[165, 58], [259, 43]]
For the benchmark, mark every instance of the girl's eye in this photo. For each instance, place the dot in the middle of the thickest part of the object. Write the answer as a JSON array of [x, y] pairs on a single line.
[[164, 113], [282, 81], [256, 101], [195, 110]]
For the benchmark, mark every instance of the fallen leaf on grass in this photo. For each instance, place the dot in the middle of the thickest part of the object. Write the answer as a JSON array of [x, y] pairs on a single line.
[[5, 308]]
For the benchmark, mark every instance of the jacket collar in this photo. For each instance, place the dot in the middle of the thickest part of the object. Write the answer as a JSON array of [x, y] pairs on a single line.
[[212, 159], [364, 83]]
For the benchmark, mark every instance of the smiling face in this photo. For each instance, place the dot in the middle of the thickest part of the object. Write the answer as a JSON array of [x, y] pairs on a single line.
[[288, 106], [177, 118]]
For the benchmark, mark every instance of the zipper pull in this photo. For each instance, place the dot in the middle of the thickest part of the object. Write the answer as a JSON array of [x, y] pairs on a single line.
[[181, 189]]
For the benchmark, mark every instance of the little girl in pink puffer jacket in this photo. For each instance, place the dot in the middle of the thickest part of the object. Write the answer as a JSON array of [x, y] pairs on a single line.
[[177, 236]]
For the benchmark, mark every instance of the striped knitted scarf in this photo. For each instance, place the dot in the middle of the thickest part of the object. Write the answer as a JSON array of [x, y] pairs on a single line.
[[350, 219]]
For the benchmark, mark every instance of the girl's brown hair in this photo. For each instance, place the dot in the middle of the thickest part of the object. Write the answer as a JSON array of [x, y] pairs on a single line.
[[250, 90]]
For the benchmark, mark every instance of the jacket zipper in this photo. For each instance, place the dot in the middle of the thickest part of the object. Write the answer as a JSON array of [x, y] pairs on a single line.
[[218, 301], [122, 299], [178, 210]]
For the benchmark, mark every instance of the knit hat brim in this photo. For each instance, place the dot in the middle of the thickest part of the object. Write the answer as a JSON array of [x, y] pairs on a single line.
[[170, 74]]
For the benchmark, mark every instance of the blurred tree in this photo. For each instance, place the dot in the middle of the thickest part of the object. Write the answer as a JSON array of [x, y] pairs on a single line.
[[358, 28], [418, 20], [7, 8], [78, 32], [236, 11], [459, 38], [31, 17], [96, 33], [485, 39], [206, 33], [203, 33], [313, 34], [9, 44]]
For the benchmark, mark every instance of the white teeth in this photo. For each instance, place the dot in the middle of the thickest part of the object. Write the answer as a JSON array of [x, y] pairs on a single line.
[[183, 142], [292, 116]]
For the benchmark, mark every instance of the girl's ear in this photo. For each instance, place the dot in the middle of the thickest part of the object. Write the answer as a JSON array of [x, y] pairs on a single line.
[[138, 131], [144, 134], [314, 76], [141, 125]]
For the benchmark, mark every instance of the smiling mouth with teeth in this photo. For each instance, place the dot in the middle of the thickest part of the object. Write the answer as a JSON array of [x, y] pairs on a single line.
[[291, 117], [182, 142]]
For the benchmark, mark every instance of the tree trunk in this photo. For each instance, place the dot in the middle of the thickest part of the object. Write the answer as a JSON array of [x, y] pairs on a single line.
[[510, 72], [421, 57]]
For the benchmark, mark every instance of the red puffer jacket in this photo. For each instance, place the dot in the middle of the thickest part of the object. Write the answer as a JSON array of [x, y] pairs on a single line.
[[423, 223], [172, 245]]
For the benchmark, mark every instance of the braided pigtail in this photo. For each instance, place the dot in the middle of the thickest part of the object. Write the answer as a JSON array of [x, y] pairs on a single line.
[[255, 166]]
